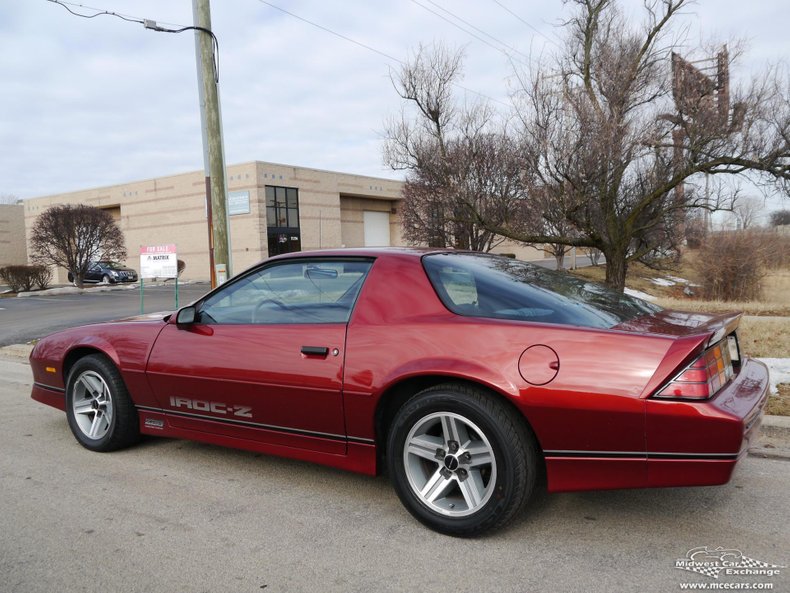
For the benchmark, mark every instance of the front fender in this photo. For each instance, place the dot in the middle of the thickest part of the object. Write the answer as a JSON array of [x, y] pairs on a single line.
[[52, 356], [127, 344]]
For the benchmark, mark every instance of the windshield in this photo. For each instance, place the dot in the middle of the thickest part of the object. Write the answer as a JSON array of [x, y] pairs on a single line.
[[483, 285]]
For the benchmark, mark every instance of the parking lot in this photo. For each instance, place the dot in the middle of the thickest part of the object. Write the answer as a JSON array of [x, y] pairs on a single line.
[[178, 516], [25, 319]]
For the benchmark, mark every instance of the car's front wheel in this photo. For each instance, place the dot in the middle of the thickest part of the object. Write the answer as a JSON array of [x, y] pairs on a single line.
[[100, 412], [462, 461]]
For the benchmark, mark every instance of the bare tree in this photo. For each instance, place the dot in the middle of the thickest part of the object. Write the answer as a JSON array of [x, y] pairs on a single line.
[[780, 217], [747, 212], [8, 199], [460, 165], [695, 229], [614, 136], [73, 236]]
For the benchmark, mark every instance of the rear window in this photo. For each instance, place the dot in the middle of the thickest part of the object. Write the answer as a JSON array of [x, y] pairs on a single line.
[[481, 285]]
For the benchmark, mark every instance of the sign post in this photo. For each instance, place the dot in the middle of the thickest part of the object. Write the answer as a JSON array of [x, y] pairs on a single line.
[[158, 261]]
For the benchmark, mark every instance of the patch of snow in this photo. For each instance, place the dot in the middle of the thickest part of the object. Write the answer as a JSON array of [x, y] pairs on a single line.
[[639, 294], [678, 280], [50, 291], [662, 282], [778, 369]]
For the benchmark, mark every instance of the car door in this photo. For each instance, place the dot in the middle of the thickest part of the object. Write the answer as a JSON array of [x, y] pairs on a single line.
[[264, 358], [94, 273]]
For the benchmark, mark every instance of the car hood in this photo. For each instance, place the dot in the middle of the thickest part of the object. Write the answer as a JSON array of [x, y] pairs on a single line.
[[680, 323]]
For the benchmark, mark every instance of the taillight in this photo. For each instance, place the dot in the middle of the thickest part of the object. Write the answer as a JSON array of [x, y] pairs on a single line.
[[703, 377]]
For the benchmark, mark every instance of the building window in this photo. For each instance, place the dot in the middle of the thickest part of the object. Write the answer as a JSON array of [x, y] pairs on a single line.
[[282, 207], [282, 219]]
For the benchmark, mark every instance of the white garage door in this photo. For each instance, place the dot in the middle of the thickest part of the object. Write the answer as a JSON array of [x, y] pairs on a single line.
[[377, 228]]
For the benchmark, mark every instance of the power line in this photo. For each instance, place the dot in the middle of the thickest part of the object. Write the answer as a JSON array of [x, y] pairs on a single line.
[[455, 16], [480, 30], [147, 23], [101, 11], [328, 30], [153, 26], [368, 47], [538, 31]]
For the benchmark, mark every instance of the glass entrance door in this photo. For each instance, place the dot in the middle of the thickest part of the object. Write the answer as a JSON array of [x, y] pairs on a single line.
[[283, 240]]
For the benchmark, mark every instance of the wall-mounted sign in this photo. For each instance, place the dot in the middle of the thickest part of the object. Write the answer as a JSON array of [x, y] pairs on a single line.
[[158, 261], [221, 272], [238, 202]]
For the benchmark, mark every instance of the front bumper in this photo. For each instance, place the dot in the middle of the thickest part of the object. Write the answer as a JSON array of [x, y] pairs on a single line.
[[51, 396]]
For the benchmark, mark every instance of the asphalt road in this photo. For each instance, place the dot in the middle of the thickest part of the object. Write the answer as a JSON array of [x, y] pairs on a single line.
[[24, 319], [176, 516]]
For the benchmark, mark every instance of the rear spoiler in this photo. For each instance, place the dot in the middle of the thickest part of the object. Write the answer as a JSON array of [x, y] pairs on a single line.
[[722, 326], [684, 349]]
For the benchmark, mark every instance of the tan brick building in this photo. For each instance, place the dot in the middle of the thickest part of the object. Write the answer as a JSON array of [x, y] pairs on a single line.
[[13, 246], [272, 208]]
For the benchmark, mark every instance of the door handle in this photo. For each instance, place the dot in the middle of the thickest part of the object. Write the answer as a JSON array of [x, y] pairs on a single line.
[[315, 350]]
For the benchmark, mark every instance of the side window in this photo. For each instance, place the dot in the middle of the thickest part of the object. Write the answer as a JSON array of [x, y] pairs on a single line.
[[317, 291], [460, 286]]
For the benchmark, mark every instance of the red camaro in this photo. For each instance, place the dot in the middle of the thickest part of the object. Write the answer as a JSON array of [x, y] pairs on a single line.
[[464, 375]]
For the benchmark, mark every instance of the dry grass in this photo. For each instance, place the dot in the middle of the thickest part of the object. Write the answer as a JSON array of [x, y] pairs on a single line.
[[760, 308], [779, 405], [639, 277], [764, 337], [776, 287], [775, 299]]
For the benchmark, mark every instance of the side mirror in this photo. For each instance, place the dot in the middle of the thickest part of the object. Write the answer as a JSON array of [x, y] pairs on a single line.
[[186, 316]]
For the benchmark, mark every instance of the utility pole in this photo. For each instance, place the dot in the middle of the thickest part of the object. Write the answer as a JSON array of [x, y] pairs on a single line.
[[213, 149]]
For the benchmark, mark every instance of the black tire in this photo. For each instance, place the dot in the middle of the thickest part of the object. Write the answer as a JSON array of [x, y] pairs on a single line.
[[107, 280], [95, 378], [489, 425], [71, 278]]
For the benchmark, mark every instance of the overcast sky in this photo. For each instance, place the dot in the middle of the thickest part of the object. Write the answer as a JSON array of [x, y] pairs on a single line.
[[91, 102]]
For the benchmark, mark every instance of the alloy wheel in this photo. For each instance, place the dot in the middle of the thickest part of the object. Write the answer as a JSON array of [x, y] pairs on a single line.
[[92, 405], [450, 464]]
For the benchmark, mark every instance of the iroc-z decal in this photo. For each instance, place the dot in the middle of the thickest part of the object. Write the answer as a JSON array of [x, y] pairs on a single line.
[[200, 405]]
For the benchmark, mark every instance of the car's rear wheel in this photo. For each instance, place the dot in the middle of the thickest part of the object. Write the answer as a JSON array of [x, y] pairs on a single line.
[[462, 461], [100, 412]]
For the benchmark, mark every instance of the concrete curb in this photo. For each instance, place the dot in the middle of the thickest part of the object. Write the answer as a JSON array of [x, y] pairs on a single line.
[[776, 427], [769, 451], [102, 288], [74, 290], [774, 439], [19, 352]]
